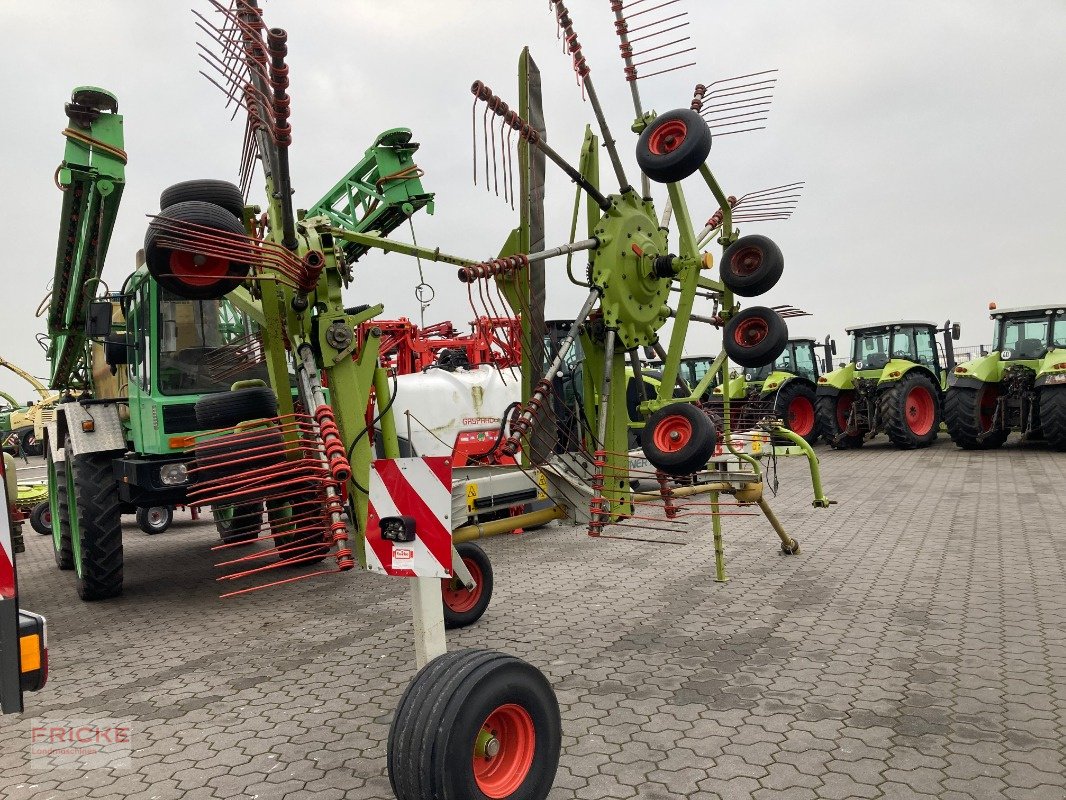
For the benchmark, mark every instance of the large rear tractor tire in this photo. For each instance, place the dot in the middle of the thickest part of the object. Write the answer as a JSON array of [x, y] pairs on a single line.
[[795, 405], [475, 724], [238, 523], [969, 414], [1052, 401], [96, 527], [833, 412], [679, 439], [462, 606], [58, 500], [910, 411]]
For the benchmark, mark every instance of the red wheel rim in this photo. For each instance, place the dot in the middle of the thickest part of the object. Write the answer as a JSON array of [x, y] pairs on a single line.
[[987, 398], [503, 753], [456, 596], [746, 262], [751, 331], [667, 137], [672, 434], [844, 404], [194, 269], [46, 518], [920, 410], [801, 416]]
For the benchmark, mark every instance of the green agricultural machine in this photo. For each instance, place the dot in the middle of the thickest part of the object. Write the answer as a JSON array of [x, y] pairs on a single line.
[[894, 384], [785, 389], [1019, 386]]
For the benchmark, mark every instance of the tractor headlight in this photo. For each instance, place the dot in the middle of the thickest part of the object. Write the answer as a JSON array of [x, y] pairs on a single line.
[[174, 474]]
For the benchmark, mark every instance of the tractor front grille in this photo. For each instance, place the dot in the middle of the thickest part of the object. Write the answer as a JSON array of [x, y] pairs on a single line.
[[179, 418]]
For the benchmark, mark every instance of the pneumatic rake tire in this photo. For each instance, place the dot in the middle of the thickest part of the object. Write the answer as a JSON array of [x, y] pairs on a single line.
[[833, 411], [755, 336], [794, 404], [221, 193], [99, 527], [1052, 401], [752, 265], [463, 607], [674, 146], [191, 275], [475, 724], [679, 439], [969, 414], [226, 409], [910, 411], [41, 518], [62, 549]]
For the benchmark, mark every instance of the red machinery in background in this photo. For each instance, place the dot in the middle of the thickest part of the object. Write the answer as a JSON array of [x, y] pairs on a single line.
[[409, 349]]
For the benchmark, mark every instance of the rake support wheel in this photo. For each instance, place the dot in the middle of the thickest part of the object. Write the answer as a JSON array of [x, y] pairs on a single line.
[[755, 336], [226, 409], [674, 146], [462, 606], [679, 439], [475, 724], [752, 265], [206, 190]]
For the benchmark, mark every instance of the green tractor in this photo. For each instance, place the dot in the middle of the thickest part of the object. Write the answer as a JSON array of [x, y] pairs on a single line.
[[894, 384], [784, 389], [1019, 386]]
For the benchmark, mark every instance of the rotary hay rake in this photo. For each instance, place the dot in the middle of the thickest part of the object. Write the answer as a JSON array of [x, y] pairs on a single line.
[[289, 466]]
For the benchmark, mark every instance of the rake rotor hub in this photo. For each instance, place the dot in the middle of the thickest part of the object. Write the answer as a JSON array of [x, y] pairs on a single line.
[[633, 292]]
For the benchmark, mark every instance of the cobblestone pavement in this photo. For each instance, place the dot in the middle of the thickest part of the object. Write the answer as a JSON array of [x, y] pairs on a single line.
[[916, 648]]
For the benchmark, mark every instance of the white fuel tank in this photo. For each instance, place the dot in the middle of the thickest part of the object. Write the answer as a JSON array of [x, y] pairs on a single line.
[[441, 404]]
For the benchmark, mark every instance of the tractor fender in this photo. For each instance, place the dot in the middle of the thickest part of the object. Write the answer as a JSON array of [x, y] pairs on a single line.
[[837, 381], [779, 380], [92, 428], [824, 390], [1052, 368], [896, 369], [986, 369], [965, 382]]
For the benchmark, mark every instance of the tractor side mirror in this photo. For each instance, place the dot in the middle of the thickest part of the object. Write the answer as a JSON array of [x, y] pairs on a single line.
[[956, 331], [99, 322], [116, 351]]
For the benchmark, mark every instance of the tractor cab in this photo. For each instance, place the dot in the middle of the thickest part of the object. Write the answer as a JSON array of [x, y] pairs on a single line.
[[876, 347], [1027, 334], [797, 359]]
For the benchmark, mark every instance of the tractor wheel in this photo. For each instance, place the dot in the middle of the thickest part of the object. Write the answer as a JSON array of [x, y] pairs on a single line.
[[155, 519], [752, 265], [41, 518], [832, 413], [674, 146], [226, 409], [475, 724], [970, 413], [192, 275], [96, 527], [1052, 401], [221, 193], [679, 439], [910, 411], [238, 523], [237, 453], [28, 444], [59, 505], [795, 405], [462, 606], [755, 337]]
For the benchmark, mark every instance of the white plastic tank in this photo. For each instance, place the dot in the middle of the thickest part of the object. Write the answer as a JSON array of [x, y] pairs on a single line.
[[442, 403]]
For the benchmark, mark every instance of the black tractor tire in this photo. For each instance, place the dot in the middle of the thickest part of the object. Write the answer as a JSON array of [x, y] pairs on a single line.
[[447, 713], [795, 404], [967, 422], [207, 190], [910, 411], [752, 265], [41, 518], [674, 146], [226, 409], [99, 520], [28, 444], [679, 439], [1052, 401], [238, 453], [155, 519], [239, 522], [463, 607], [755, 336], [186, 275], [61, 541], [831, 420], [293, 548]]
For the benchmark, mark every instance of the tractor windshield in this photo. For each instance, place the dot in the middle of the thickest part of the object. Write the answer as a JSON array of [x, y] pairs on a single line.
[[803, 361], [871, 349], [1024, 337], [205, 346]]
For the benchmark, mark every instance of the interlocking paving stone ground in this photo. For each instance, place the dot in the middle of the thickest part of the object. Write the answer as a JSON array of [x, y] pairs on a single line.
[[915, 649]]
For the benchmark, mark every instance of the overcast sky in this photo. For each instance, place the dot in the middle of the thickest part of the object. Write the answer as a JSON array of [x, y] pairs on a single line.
[[930, 134]]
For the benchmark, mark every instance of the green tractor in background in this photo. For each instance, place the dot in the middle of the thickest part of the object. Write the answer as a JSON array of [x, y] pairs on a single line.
[[784, 389], [894, 384], [1019, 386]]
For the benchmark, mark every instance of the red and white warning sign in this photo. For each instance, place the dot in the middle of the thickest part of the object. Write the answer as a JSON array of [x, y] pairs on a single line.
[[420, 490], [8, 588]]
